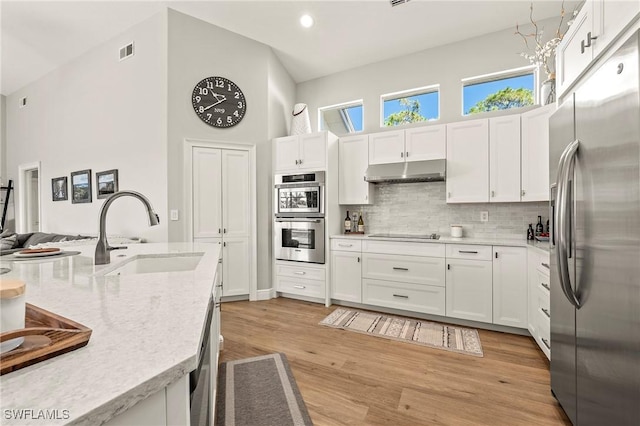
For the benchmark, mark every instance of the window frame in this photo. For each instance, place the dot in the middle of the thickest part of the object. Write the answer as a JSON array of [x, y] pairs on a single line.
[[502, 75], [342, 105], [432, 88]]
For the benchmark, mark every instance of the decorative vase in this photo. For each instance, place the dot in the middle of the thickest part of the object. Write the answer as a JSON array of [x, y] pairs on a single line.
[[548, 90], [300, 123]]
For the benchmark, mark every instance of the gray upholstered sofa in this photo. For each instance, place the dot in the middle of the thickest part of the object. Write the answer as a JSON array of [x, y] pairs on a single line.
[[11, 242]]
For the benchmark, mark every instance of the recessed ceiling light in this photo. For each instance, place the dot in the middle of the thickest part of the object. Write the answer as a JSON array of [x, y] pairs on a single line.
[[306, 21]]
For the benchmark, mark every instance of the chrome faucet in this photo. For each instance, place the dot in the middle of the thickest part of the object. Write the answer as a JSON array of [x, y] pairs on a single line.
[[103, 249]]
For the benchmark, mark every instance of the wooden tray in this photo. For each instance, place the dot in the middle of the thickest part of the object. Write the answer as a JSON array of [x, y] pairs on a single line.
[[46, 335]]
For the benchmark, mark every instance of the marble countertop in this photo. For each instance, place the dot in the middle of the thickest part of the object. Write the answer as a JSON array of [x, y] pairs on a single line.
[[146, 332], [445, 239]]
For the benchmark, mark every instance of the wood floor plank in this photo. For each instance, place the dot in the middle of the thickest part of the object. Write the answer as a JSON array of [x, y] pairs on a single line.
[[349, 378]]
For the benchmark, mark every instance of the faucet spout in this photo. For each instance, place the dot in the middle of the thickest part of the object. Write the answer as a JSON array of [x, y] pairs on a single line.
[[103, 249]]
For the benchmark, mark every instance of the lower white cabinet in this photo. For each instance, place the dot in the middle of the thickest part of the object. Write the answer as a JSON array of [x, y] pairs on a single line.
[[510, 286], [469, 290], [539, 313], [408, 269], [235, 276], [301, 279], [346, 276], [427, 299]]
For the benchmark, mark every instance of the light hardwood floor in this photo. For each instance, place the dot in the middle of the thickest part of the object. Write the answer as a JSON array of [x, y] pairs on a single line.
[[354, 379]]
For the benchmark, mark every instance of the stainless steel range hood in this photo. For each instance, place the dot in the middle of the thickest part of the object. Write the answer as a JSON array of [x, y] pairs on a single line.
[[413, 171]]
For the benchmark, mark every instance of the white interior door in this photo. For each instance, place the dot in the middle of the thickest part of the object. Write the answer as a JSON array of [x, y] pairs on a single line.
[[207, 193], [236, 212]]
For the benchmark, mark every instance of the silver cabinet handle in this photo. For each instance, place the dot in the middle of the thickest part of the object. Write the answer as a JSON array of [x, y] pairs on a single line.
[[546, 343], [402, 296], [300, 161], [299, 272], [546, 265], [299, 286], [522, 193], [467, 252], [402, 155], [358, 259], [493, 194], [345, 245], [297, 161], [546, 312], [406, 154], [224, 230], [546, 286], [396, 268], [219, 231]]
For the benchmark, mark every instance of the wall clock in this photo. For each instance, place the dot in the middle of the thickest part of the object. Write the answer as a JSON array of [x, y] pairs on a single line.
[[219, 102]]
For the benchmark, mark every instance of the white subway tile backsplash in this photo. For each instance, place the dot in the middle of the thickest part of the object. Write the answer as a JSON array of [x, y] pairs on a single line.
[[421, 208]]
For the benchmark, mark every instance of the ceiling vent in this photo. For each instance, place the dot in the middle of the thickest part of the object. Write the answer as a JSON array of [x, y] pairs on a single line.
[[395, 3], [126, 51]]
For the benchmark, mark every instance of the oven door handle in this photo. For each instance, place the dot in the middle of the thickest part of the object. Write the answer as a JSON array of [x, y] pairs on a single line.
[[297, 219]]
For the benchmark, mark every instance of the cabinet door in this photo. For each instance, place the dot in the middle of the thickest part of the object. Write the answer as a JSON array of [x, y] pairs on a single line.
[[510, 286], [313, 151], [504, 159], [469, 294], [236, 214], [609, 19], [468, 162], [426, 143], [532, 303], [346, 276], [235, 270], [286, 153], [535, 154], [386, 147], [207, 192], [571, 57], [354, 160]]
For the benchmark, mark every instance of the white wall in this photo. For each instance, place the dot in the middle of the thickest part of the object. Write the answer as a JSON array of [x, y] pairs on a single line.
[[444, 65], [196, 50], [3, 138], [98, 113]]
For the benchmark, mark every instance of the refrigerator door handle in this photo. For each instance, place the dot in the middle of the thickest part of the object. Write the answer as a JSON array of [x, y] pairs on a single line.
[[552, 209], [565, 166]]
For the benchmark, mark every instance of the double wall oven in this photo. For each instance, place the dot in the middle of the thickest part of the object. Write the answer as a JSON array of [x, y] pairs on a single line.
[[299, 217]]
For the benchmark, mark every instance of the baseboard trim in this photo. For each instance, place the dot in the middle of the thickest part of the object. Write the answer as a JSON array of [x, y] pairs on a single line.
[[266, 294]]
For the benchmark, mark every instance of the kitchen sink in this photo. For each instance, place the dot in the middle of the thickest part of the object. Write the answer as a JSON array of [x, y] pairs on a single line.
[[153, 263]]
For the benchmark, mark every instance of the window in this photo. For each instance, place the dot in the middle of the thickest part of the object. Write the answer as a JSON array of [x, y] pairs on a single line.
[[410, 106], [504, 90], [341, 119]]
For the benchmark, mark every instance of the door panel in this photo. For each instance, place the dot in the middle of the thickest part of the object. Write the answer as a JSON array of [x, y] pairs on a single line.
[[426, 143], [235, 266], [468, 162], [313, 151], [387, 147], [235, 193], [504, 159], [207, 192]]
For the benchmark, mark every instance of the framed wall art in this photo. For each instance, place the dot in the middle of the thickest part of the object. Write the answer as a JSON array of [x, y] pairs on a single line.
[[107, 183], [59, 189], [81, 186]]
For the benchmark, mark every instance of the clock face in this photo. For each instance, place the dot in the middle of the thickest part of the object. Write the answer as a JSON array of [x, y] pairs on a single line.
[[218, 102]]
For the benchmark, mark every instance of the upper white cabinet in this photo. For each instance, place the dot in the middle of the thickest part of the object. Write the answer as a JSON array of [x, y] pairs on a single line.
[[535, 154], [504, 158], [597, 25], [510, 286], [354, 160], [468, 161], [301, 152], [414, 144]]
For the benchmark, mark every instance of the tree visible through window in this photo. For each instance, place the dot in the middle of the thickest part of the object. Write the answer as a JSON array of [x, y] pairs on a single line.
[[499, 94], [417, 105]]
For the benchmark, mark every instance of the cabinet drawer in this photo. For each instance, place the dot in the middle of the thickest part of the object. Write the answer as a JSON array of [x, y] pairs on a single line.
[[346, 244], [300, 286], [410, 297], [543, 338], [543, 264], [403, 247], [408, 269], [300, 272], [462, 251]]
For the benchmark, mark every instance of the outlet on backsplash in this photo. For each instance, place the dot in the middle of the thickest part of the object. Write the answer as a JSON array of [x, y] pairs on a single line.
[[484, 216]]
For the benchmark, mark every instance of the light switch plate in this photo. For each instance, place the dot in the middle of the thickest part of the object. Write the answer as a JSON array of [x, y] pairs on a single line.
[[174, 214], [484, 216]]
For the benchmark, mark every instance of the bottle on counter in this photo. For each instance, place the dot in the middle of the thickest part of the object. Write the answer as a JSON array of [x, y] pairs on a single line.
[[347, 224], [360, 224], [354, 222], [539, 226], [547, 226], [530, 232]]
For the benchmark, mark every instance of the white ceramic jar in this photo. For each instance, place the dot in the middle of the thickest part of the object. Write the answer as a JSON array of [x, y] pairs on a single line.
[[12, 311], [456, 231]]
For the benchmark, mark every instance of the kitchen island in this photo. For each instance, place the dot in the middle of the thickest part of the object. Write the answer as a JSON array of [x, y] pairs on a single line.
[[146, 331]]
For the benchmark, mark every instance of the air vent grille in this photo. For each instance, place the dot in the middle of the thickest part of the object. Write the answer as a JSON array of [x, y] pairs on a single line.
[[126, 51], [395, 3]]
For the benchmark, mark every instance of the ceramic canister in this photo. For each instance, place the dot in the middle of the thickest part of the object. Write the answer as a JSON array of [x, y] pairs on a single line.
[[12, 310], [456, 231]]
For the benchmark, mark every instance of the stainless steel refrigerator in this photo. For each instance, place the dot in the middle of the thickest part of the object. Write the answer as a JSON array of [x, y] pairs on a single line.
[[595, 244]]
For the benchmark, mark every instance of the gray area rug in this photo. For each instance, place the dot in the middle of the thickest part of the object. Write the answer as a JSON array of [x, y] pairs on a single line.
[[259, 391], [420, 332]]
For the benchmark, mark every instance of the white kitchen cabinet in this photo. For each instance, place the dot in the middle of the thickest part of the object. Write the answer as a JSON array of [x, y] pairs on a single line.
[[426, 299], [504, 159], [386, 147], [468, 161], [610, 18], [353, 163], [469, 290], [510, 286], [425, 143], [346, 276], [539, 313], [535, 153], [401, 268], [302, 279], [300, 152], [221, 210]]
